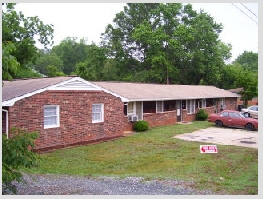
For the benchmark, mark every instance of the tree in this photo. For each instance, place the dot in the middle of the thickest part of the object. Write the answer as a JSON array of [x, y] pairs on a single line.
[[248, 60], [70, 52], [46, 59], [22, 31], [17, 154], [52, 71], [249, 82], [93, 66], [9, 63], [171, 42]]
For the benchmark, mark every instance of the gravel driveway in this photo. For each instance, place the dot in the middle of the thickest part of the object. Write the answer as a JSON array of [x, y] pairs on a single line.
[[73, 185]]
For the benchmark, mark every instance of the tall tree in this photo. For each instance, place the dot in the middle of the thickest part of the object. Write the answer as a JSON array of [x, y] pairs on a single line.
[[22, 31], [248, 60], [92, 67], [70, 51], [172, 42], [46, 59]]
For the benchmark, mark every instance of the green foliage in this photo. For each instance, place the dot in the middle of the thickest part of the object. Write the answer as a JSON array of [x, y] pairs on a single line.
[[9, 63], [248, 61], [22, 31], [17, 154], [27, 72], [46, 59], [169, 48], [201, 115], [53, 71], [141, 126]]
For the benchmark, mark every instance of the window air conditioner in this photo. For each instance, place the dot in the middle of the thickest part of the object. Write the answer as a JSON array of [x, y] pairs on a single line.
[[133, 118], [223, 106]]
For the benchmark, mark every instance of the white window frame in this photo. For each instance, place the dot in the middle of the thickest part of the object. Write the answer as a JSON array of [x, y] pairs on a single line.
[[203, 103], [190, 106], [159, 106], [100, 113], [56, 115], [131, 108], [222, 101]]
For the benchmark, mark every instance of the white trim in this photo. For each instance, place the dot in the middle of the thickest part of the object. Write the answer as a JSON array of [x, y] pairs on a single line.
[[57, 117], [102, 113], [191, 104], [75, 83], [160, 105]]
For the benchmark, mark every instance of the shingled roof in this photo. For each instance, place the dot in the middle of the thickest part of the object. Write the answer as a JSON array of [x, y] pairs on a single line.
[[149, 92], [126, 90], [16, 88]]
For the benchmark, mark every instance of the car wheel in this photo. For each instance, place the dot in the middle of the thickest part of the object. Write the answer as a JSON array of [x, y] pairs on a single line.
[[219, 123], [249, 127]]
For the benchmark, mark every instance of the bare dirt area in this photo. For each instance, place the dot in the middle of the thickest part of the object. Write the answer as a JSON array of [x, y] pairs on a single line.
[[223, 136]]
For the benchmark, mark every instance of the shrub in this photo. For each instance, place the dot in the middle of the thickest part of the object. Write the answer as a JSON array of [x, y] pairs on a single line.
[[201, 115], [141, 126], [17, 154]]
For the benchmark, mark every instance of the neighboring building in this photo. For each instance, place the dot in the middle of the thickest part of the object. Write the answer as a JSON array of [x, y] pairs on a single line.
[[240, 102], [162, 104], [70, 111]]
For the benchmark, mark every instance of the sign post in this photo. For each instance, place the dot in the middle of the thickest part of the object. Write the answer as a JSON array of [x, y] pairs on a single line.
[[208, 149]]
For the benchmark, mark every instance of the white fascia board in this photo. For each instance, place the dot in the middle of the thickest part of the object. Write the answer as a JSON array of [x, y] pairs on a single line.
[[12, 101], [59, 86], [154, 99]]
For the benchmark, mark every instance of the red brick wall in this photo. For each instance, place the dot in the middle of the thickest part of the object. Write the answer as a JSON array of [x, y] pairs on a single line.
[[76, 125], [231, 104], [160, 119]]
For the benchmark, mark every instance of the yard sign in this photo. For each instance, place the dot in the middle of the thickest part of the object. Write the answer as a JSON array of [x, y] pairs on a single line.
[[208, 149]]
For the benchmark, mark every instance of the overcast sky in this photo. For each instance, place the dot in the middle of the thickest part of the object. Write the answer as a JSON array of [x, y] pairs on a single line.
[[88, 20]]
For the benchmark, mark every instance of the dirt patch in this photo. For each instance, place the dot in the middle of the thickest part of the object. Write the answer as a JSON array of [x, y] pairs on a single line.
[[223, 136]]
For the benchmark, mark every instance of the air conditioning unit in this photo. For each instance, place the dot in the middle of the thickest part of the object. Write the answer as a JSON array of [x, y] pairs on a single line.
[[223, 106], [132, 118]]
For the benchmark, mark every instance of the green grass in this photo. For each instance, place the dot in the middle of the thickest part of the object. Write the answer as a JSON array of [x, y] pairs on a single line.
[[154, 154]]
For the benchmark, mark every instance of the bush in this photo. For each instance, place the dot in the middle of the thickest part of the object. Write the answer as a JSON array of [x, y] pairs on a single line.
[[201, 115], [17, 154], [141, 126]]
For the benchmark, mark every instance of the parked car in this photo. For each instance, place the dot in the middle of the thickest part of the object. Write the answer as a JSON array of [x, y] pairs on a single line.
[[251, 111], [232, 118]]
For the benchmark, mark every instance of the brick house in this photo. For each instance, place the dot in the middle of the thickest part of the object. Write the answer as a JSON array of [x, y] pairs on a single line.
[[70, 111], [64, 110], [161, 104]]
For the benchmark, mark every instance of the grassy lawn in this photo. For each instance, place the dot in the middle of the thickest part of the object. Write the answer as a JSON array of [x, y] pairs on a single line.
[[154, 154]]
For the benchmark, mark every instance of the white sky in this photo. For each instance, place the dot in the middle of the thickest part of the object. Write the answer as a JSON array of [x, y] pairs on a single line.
[[88, 20]]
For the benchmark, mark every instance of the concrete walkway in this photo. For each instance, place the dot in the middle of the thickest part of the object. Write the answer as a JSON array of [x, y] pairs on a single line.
[[223, 136]]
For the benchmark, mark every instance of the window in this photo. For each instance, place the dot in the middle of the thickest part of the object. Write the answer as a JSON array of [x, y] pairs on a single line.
[[169, 105], [224, 114], [200, 103], [234, 115], [190, 106], [130, 108], [51, 116], [149, 107], [159, 106], [97, 113]]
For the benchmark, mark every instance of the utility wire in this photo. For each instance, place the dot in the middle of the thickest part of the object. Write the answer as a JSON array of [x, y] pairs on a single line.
[[249, 10], [244, 13]]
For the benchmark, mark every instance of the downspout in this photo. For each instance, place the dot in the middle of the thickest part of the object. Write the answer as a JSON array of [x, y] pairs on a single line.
[[6, 125]]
